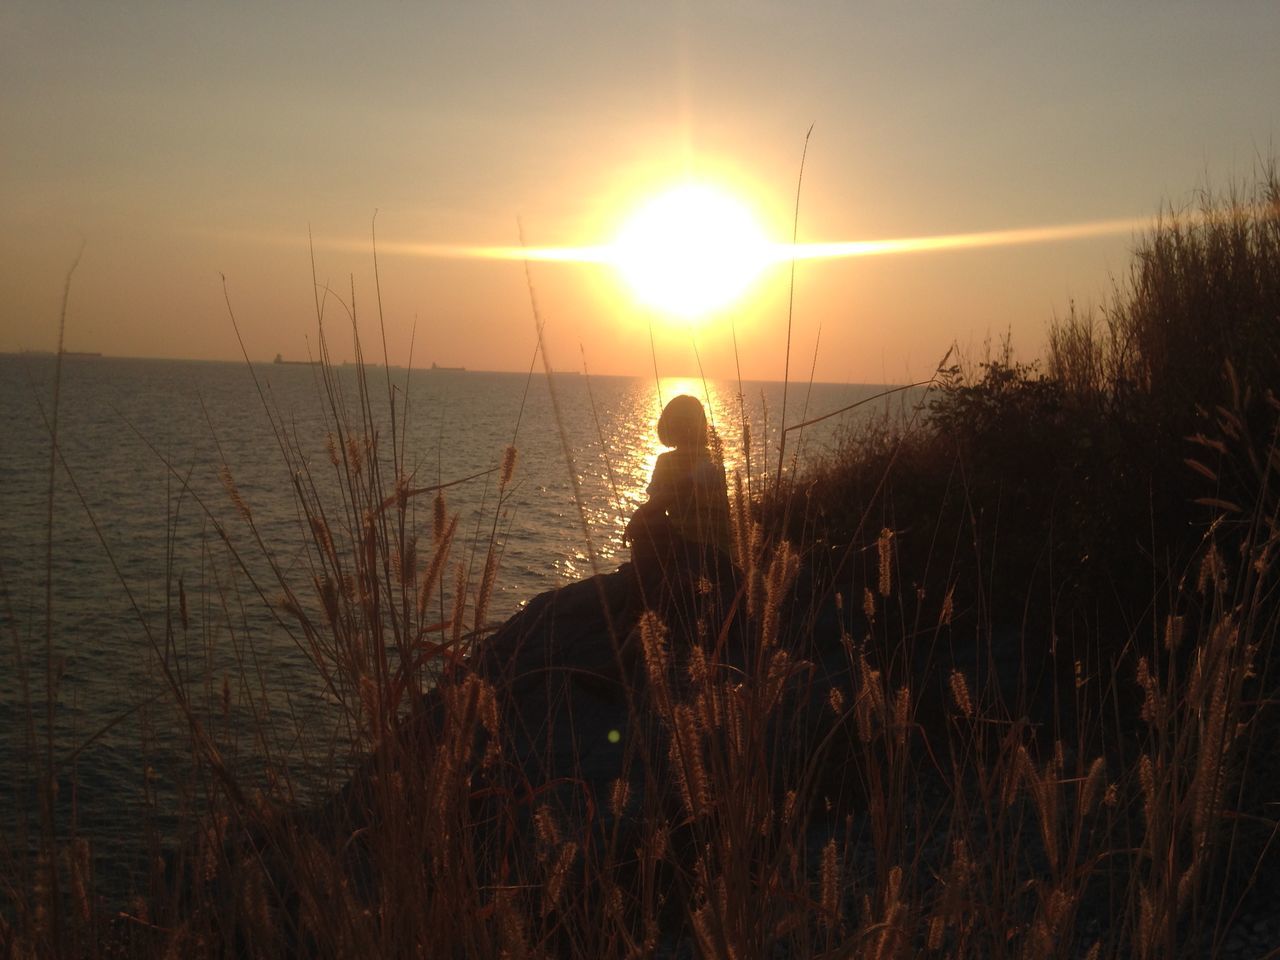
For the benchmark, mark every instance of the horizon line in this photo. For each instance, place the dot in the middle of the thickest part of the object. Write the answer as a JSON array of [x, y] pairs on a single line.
[[83, 355]]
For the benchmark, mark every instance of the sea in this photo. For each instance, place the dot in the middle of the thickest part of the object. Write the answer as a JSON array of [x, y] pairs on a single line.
[[107, 537]]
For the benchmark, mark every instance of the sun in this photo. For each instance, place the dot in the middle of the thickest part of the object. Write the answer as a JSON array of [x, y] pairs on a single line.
[[691, 250]]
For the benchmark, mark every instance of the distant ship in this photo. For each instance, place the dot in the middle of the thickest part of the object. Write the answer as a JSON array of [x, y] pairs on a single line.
[[297, 363], [436, 366]]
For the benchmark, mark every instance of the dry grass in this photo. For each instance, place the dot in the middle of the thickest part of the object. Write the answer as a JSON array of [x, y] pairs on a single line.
[[1203, 290], [801, 776]]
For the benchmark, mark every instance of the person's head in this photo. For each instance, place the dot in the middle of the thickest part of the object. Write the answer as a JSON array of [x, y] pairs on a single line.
[[683, 423]]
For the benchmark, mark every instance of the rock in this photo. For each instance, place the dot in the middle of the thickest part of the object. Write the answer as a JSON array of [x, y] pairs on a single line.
[[561, 669]]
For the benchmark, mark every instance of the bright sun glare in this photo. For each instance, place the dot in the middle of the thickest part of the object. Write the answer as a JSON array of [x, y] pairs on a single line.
[[690, 251], [697, 248]]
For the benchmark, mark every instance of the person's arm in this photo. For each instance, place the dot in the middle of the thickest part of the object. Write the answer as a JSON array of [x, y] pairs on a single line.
[[660, 496], [662, 492]]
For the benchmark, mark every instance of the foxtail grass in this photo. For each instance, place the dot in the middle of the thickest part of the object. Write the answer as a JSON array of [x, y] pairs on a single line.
[[878, 740]]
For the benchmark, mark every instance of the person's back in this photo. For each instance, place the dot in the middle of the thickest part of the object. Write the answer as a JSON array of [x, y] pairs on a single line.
[[689, 485], [683, 529]]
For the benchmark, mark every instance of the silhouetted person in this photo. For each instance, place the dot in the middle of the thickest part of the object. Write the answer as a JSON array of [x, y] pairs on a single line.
[[682, 533]]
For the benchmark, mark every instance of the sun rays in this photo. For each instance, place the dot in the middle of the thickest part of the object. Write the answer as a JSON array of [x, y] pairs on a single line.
[[780, 252], [688, 262], [696, 249], [773, 252]]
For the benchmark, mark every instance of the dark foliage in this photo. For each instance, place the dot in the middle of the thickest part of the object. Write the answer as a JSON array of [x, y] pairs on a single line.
[[1069, 502]]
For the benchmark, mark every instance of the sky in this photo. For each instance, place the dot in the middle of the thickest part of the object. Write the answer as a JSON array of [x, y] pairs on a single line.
[[170, 145]]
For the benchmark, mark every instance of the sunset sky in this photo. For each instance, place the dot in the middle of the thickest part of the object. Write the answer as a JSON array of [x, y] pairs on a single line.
[[178, 142]]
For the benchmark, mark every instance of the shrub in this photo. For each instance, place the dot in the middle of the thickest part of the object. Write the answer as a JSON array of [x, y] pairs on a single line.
[[1203, 291]]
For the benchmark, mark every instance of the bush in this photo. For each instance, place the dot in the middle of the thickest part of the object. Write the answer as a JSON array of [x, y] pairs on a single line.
[[1203, 291]]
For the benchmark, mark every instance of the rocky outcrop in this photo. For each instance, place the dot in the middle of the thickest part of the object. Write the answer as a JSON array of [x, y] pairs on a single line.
[[565, 671]]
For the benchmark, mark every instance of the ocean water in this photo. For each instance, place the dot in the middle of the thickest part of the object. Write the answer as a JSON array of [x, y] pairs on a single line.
[[89, 593]]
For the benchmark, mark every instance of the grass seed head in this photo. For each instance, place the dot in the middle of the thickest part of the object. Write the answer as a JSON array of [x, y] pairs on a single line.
[[508, 467], [1093, 788], [698, 667], [1152, 703], [459, 600], [937, 928], [619, 796], [782, 573], [829, 893], [948, 607], [487, 580], [404, 563], [789, 808], [1147, 778], [884, 547], [902, 714], [554, 886], [1212, 572], [835, 699], [960, 693], [435, 569], [686, 760], [653, 645], [355, 455], [546, 829]]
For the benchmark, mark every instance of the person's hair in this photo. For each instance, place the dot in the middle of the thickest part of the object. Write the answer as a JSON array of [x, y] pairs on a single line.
[[683, 423]]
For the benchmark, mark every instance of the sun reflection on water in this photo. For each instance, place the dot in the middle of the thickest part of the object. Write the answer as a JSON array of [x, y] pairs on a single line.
[[616, 446], [618, 452], [639, 445]]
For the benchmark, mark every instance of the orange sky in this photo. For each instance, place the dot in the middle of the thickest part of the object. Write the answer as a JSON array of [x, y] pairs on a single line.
[[178, 142]]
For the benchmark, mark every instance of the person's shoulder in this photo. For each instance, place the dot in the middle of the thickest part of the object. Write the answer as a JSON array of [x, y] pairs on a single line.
[[663, 468]]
